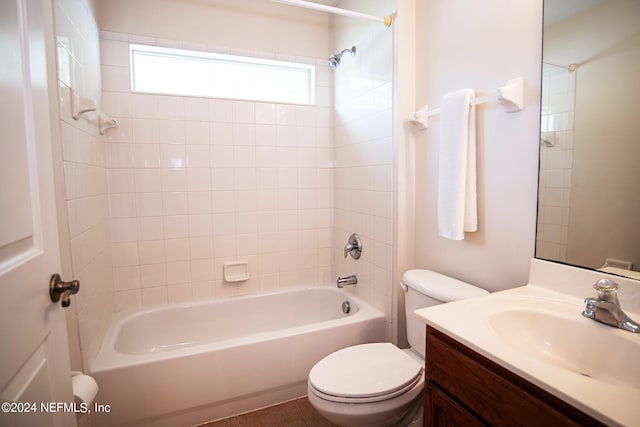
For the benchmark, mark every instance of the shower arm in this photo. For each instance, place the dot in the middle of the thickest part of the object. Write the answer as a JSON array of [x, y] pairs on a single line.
[[351, 50]]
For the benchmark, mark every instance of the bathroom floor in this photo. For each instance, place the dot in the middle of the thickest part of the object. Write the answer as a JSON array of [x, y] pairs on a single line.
[[295, 413]]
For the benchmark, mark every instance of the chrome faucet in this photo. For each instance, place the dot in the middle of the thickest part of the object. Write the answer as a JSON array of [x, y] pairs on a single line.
[[606, 308], [347, 280]]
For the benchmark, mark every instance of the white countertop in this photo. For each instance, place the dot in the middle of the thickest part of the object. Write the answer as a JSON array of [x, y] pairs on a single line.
[[609, 395]]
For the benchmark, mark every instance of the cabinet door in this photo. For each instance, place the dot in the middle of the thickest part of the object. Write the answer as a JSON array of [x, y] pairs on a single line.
[[490, 392], [442, 411]]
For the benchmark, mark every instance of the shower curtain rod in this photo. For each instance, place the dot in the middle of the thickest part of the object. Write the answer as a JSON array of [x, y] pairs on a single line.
[[387, 20]]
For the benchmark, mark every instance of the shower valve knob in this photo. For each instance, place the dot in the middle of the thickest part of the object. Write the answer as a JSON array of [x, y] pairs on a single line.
[[353, 247]]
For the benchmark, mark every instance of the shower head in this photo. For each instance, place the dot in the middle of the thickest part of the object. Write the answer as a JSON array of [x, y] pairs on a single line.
[[336, 58]]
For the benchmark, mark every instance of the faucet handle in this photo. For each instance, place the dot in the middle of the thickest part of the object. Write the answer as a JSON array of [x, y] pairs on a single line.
[[607, 289], [353, 247]]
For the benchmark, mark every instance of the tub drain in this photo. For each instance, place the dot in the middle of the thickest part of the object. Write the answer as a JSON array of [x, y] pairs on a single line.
[[346, 307]]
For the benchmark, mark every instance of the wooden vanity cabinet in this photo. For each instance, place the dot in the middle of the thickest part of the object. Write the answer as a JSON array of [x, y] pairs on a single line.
[[464, 388]]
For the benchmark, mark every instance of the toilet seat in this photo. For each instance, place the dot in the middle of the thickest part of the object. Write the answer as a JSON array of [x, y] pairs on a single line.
[[365, 373]]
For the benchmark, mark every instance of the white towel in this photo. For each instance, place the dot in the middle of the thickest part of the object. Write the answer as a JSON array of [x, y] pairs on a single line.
[[457, 200]]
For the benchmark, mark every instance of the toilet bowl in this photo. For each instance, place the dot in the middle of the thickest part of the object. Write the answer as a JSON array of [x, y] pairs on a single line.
[[378, 384], [366, 385]]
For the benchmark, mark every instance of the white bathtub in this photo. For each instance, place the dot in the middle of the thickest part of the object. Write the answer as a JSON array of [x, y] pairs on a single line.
[[190, 363]]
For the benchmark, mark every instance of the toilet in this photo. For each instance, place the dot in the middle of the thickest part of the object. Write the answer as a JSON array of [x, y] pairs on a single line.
[[379, 384]]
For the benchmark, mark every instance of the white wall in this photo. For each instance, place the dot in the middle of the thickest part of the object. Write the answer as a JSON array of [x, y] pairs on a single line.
[[481, 45], [250, 25]]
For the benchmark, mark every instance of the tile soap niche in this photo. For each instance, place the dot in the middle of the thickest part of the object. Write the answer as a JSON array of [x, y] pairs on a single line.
[[237, 271]]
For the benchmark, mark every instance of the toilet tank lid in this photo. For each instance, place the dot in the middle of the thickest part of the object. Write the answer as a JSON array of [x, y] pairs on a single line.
[[440, 287]]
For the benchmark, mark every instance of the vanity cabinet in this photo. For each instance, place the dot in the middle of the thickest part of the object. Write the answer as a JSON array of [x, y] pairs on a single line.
[[464, 388]]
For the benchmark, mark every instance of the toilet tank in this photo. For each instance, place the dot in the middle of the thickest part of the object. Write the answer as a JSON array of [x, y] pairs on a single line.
[[424, 288]]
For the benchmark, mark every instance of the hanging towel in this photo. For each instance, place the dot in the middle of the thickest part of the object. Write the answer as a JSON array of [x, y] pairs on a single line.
[[457, 204]]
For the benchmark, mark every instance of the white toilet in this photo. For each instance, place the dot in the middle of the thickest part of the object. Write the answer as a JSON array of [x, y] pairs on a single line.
[[379, 384]]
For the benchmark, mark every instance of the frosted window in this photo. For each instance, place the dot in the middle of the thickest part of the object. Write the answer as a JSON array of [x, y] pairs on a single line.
[[193, 73]]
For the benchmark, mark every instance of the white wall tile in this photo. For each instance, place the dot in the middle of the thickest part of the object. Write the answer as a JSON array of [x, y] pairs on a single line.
[[196, 109], [198, 179], [243, 112], [177, 249], [125, 254], [174, 203], [201, 247], [176, 226], [171, 132], [154, 296], [149, 204], [151, 252], [128, 300], [197, 132], [146, 156], [178, 272], [171, 107], [147, 181], [212, 180], [174, 179], [126, 278], [173, 156], [265, 113], [150, 228], [199, 202], [220, 110], [198, 156]]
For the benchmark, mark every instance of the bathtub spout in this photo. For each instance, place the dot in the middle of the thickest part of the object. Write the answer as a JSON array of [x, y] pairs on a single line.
[[348, 280]]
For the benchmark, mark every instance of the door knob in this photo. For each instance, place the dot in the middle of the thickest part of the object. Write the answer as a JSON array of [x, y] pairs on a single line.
[[61, 289]]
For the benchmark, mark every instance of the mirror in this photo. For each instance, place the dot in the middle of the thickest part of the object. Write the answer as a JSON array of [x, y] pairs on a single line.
[[589, 188]]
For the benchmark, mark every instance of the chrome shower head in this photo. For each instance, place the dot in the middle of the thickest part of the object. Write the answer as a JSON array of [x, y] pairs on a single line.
[[336, 58]]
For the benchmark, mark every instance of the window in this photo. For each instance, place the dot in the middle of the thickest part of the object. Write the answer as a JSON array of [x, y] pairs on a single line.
[[192, 73]]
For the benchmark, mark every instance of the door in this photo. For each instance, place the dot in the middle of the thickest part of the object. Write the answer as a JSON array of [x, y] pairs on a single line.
[[35, 377]]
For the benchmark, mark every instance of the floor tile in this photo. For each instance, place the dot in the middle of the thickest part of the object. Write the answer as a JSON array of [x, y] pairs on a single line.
[[295, 413]]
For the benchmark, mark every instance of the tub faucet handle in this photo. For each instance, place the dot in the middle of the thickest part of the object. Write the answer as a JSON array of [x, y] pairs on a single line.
[[353, 247]]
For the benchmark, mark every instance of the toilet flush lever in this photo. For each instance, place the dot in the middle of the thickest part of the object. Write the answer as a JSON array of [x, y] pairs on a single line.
[[353, 247]]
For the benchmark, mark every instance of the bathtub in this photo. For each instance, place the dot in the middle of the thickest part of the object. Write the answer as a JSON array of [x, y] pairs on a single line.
[[186, 364]]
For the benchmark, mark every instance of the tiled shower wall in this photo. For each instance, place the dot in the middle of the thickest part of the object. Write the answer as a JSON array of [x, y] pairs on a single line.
[[196, 182], [85, 243], [556, 159], [364, 178]]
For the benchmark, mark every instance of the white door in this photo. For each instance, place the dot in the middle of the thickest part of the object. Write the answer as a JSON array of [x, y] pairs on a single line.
[[34, 358]]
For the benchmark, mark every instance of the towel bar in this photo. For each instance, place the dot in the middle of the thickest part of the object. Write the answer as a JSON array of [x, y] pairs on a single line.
[[511, 94]]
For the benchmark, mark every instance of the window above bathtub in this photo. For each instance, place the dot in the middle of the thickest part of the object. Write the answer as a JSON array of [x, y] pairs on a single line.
[[162, 70]]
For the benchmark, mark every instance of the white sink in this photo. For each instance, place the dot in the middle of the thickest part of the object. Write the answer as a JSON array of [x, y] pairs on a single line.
[[542, 336], [582, 347]]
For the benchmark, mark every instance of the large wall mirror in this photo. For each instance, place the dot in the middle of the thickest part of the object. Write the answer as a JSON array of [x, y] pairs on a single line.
[[589, 190]]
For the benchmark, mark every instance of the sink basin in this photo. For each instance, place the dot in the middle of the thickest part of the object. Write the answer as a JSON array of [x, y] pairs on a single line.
[[576, 344]]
